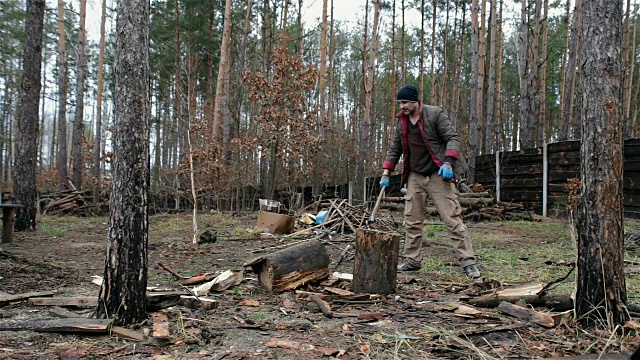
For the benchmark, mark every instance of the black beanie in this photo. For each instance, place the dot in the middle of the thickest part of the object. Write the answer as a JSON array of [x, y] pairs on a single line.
[[408, 93]]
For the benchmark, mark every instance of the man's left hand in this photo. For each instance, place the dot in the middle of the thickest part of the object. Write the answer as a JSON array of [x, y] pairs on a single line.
[[446, 171]]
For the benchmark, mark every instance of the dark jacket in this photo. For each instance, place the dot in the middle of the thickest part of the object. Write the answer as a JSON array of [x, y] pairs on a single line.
[[438, 135]]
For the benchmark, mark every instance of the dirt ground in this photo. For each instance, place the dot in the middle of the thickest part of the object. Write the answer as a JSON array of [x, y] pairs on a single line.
[[416, 322]]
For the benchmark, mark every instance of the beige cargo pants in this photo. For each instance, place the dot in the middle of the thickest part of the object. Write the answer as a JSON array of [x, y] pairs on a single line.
[[443, 195]]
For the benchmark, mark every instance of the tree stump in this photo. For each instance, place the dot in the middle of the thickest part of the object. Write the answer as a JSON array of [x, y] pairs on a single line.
[[376, 261], [289, 268]]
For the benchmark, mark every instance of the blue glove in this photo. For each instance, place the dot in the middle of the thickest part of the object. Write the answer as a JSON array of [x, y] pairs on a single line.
[[446, 171], [384, 181]]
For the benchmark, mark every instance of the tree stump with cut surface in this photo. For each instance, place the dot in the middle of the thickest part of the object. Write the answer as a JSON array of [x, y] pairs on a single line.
[[376, 261]]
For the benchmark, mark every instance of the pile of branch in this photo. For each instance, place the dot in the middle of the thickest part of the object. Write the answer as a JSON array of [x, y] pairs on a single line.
[[343, 218], [476, 206], [68, 202]]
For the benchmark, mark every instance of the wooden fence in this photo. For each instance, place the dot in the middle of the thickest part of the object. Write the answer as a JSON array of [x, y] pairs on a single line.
[[538, 177]]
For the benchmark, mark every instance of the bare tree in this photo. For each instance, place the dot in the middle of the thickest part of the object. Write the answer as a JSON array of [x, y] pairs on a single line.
[[475, 106], [78, 121], [61, 158], [98, 138], [123, 293], [24, 174], [600, 285]]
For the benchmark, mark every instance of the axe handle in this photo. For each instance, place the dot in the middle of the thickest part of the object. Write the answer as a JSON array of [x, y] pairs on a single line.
[[375, 208]]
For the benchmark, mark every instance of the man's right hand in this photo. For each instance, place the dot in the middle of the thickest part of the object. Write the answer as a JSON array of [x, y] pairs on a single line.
[[384, 181]]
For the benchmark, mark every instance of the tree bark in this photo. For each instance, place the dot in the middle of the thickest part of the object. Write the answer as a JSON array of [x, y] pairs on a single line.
[[376, 262], [432, 97], [221, 100], [542, 117], [562, 132], [61, 158], [98, 138], [24, 175], [497, 127], [600, 284], [78, 121], [474, 101], [569, 98], [491, 88], [122, 295]]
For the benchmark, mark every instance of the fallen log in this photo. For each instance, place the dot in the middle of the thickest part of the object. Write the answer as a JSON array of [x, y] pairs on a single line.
[[376, 261], [76, 325], [289, 268], [556, 303], [530, 315]]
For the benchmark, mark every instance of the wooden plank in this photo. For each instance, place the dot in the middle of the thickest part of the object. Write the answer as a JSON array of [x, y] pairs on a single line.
[[75, 325], [571, 145], [127, 334], [4, 300], [59, 312], [160, 325], [530, 315], [78, 301]]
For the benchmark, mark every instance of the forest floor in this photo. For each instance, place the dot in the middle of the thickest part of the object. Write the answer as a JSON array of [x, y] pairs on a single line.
[[421, 320]]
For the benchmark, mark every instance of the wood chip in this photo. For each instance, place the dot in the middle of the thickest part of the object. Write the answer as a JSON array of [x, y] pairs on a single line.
[[78, 301], [160, 325]]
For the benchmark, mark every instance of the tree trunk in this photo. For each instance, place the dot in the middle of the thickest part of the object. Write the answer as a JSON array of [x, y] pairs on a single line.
[[421, 76], [626, 62], [122, 295], [567, 111], [497, 127], [432, 97], [482, 54], [403, 46], [394, 76], [562, 132], [600, 284], [629, 121], [62, 99], [221, 100], [24, 175], [98, 138], [491, 88], [542, 114], [376, 262], [474, 103], [317, 180], [458, 84], [78, 121], [442, 96]]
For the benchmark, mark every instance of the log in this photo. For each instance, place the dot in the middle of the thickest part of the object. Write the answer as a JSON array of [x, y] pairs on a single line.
[[475, 201], [483, 194], [556, 303], [75, 325], [530, 315], [4, 300], [289, 268], [162, 300], [376, 261], [78, 301]]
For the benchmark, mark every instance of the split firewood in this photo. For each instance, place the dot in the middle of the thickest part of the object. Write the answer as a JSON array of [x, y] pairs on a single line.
[[160, 325], [342, 276], [98, 280], [338, 291], [530, 315], [221, 282], [75, 325], [7, 299], [323, 305], [78, 301]]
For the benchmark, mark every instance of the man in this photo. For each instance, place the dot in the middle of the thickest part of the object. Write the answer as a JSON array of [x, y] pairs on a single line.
[[431, 147]]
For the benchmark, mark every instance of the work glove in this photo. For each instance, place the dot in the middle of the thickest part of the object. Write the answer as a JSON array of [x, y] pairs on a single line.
[[446, 171], [384, 181]]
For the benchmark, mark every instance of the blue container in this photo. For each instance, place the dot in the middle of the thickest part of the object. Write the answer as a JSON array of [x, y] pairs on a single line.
[[322, 216]]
